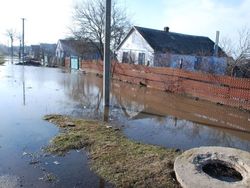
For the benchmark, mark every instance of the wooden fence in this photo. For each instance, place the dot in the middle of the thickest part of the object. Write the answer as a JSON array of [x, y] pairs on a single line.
[[219, 89]]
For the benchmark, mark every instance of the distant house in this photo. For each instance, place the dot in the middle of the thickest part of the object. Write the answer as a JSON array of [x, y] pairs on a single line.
[[168, 49], [35, 52], [47, 53], [76, 49], [43, 53]]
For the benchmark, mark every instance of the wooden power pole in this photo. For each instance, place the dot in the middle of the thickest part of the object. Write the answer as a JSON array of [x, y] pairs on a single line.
[[107, 59], [23, 40]]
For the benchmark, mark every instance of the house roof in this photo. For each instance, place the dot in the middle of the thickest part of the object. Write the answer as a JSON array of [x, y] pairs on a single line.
[[165, 41], [35, 47], [48, 48], [77, 47]]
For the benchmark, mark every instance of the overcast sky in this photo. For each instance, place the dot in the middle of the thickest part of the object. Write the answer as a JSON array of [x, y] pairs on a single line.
[[49, 20]]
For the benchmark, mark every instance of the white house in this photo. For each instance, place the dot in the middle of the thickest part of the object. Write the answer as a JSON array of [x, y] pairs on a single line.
[[168, 49]]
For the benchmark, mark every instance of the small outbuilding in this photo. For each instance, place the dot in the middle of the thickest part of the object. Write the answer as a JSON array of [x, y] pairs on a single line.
[[76, 50]]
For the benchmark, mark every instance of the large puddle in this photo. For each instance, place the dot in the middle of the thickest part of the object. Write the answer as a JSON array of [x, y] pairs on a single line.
[[150, 116]]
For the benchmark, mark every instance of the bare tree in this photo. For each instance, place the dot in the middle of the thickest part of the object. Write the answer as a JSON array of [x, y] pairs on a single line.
[[243, 48], [19, 38], [238, 51], [89, 20], [11, 34]]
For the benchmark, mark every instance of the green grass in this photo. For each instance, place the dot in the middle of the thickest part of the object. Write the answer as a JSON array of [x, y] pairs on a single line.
[[118, 160]]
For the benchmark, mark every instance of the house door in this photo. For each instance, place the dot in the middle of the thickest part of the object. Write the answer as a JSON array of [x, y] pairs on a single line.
[[74, 64]]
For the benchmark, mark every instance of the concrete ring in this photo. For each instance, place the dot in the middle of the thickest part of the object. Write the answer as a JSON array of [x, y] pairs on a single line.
[[189, 167]]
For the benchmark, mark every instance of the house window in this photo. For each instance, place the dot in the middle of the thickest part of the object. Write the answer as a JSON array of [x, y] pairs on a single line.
[[181, 63], [141, 59], [125, 58], [197, 64]]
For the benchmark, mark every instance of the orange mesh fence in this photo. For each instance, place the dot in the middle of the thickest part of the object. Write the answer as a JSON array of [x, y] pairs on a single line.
[[219, 89], [67, 62]]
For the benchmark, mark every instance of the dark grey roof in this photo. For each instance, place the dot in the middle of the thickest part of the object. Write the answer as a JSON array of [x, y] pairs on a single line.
[[48, 48], [163, 41], [78, 47]]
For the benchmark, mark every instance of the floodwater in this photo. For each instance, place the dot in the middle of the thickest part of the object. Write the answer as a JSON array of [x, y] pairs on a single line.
[[146, 115]]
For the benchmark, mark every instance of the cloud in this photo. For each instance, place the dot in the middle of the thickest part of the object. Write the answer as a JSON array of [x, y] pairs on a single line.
[[46, 20], [204, 17]]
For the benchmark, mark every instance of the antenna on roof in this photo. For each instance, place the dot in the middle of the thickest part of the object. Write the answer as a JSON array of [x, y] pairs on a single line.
[[166, 29], [216, 46]]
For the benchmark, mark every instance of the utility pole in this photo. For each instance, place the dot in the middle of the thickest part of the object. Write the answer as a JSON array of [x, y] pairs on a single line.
[[20, 49], [106, 68], [23, 40]]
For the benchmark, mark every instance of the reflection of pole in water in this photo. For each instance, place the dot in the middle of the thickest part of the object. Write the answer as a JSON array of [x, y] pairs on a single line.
[[24, 97], [106, 114], [23, 92]]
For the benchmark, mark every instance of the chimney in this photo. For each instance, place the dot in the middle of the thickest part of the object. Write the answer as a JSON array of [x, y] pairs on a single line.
[[166, 29], [216, 46]]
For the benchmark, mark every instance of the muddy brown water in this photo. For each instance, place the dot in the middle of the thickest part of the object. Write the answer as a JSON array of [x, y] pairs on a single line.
[[146, 115]]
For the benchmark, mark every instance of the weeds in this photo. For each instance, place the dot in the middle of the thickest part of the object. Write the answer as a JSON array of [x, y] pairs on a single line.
[[115, 158]]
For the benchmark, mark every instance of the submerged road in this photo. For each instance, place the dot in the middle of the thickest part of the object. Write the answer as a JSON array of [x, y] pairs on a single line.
[[146, 115]]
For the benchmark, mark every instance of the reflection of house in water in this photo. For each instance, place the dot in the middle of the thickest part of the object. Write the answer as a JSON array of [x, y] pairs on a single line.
[[131, 109], [157, 117], [142, 115], [131, 114], [144, 103], [162, 104], [168, 49]]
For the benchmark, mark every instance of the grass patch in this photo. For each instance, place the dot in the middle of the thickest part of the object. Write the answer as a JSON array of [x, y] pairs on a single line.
[[118, 160]]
